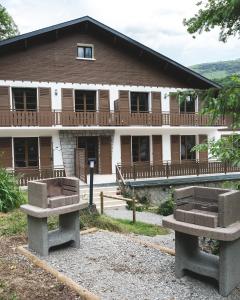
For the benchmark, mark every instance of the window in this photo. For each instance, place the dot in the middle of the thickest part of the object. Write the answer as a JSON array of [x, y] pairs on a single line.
[[139, 102], [85, 100], [187, 143], [140, 148], [26, 152], [188, 106], [85, 52], [24, 99]]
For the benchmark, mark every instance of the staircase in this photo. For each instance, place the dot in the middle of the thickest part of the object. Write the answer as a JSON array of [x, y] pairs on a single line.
[[108, 190]]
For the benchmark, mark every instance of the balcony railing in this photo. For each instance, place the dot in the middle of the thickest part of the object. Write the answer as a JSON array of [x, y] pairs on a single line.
[[167, 169], [97, 118]]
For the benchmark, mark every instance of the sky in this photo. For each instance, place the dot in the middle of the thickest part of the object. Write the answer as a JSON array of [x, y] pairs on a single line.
[[157, 24]]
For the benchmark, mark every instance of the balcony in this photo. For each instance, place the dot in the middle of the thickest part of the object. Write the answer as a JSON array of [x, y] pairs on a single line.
[[11, 118]]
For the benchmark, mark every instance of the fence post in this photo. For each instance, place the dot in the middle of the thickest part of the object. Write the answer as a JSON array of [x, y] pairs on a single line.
[[167, 170], [101, 203], [197, 171], [134, 210], [225, 167], [134, 171]]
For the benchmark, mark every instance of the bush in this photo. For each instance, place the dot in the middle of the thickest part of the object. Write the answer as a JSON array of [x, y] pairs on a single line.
[[166, 208], [10, 194]]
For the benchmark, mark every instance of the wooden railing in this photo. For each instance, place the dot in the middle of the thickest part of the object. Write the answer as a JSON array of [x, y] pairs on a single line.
[[97, 118], [168, 169], [24, 175]]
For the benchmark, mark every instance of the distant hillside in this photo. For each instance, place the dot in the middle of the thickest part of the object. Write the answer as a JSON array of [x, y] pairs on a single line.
[[218, 70]]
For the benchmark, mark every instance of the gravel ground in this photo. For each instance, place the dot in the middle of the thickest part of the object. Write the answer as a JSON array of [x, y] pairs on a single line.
[[114, 267], [147, 217], [123, 213]]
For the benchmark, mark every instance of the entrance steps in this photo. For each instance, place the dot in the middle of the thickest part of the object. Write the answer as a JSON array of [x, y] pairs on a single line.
[[108, 190]]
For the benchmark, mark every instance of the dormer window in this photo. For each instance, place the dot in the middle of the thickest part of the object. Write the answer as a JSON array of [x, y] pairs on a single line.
[[85, 52]]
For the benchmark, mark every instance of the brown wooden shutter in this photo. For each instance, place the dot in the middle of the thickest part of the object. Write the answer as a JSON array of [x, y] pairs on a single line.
[[175, 148], [123, 103], [104, 103], [174, 104], [203, 156], [126, 153], [6, 152], [105, 155], [45, 151], [157, 148], [44, 99], [156, 102], [67, 100], [4, 98]]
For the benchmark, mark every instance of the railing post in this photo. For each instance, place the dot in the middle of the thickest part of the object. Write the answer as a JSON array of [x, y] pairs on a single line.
[[167, 170], [225, 167], [101, 203], [134, 172], [134, 210], [197, 168]]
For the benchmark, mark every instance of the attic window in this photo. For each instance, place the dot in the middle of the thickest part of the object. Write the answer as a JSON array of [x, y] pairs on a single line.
[[85, 52]]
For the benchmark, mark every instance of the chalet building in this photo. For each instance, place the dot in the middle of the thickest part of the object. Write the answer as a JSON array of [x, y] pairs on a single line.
[[81, 90]]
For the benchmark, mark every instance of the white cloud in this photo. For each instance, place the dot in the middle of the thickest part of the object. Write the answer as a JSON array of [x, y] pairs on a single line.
[[155, 23]]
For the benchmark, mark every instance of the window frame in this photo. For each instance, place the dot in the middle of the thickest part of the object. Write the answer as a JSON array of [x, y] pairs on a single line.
[[85, 100], [184, 105], [138, 143], [26, 142], [138, 102], [24, 89], [193, 154], [84, 46]]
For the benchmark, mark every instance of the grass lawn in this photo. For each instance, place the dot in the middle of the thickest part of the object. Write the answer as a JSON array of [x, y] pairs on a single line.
[[15, 223]]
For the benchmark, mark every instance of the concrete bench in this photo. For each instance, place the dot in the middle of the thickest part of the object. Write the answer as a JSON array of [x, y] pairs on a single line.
[[48, 197]]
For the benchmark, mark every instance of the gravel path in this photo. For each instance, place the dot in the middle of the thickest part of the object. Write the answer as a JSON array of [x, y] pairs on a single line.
[[123, 213], [115, 267], [147, 217]]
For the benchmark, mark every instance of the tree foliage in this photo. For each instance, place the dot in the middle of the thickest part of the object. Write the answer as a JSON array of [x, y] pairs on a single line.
[[8, 28], [224, 14]]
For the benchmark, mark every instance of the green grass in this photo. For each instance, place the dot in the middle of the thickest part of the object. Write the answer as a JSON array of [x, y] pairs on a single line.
[[15, 223]]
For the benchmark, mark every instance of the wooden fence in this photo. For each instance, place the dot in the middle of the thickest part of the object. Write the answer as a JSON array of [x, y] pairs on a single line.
[[25, 175], [168, 169], [98, 118], [133, 201]]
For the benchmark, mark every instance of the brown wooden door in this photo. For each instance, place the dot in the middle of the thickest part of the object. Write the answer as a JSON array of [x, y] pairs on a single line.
[[105, 155], [45, 152], [157, 148], [126, 153], [90, 144], [45, 107], [80, 164], [203, 155], [6, 152], [175, 148]]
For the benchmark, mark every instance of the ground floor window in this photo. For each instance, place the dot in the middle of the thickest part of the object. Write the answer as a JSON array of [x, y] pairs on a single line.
[[187, 143], [26, 152], [140, 148]]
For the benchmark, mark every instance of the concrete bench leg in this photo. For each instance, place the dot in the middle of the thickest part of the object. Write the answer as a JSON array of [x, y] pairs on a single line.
[[186, 247], [71, 223], [38, 235], [229, 266]]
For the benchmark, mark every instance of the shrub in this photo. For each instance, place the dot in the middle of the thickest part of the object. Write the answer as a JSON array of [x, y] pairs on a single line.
[[166, 208], [10, 194]]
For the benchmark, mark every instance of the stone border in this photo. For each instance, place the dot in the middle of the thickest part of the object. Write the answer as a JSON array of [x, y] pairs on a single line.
[[81, 291]]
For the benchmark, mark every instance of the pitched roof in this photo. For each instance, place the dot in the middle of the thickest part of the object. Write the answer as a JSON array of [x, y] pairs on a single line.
[[87, 19]]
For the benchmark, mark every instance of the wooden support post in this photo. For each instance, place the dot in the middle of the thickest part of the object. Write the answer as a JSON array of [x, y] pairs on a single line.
[[101, 203], [134, 210]]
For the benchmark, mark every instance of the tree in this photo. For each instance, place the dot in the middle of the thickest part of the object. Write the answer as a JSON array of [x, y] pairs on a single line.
[[8, 28], [224, 101], [216, 13]]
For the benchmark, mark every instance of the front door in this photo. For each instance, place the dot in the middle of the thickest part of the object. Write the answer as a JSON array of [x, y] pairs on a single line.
[[90, 144]]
